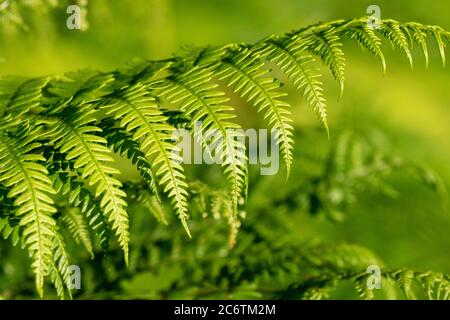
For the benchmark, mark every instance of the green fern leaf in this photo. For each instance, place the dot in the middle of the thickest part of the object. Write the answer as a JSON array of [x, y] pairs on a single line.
[[141, 71], [78, 87], [20, 170], [151, 203], [327, 45], [420, 37], [437, 33], [75, 223], [247, 76], [59, 268], [198, 97], [296, 65], [17, 97], [141, 117], [80, 197], [367, 38], [122, 143], [75, 136], [394, 32]]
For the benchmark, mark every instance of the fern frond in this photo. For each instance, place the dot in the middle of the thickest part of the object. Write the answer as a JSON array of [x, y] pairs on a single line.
[[178, 119], [361, 287], [193, 57], [395, 33], [80, 197], [141, 117], [295, 64], [326, 266], [327, 45], [123, 143], [78, 227], [420, 36], [438, 33], [84, 86], [76, 137], [154, 206], [436, 286], [141, 71], [201, 99], [20, 169], [17, 97], [217, 203], [249, 79], [149, 201], [405, 279], [368, 39], [59, 268]]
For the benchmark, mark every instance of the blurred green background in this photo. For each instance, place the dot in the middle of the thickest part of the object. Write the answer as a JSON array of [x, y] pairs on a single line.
[[410, 107]]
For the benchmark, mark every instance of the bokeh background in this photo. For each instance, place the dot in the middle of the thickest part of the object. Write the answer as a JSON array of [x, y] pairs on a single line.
[[411, 108]]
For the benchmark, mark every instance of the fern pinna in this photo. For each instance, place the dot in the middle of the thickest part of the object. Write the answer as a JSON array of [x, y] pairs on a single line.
[[59, 134]]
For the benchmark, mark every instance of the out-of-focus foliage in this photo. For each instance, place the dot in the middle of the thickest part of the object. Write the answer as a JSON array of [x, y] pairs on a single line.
[[15, 14]]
